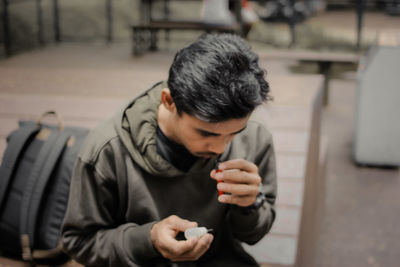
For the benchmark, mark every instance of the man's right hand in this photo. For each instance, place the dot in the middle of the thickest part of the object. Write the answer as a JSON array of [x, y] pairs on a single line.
[[163, 235]]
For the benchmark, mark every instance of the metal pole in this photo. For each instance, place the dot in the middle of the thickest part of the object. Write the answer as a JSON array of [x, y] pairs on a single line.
[[150, 8], [292, 24], [142, 13], [56, 20], [238, 14], [166, 17], [166, 9], [39, 21], [6, 29], [145, 11], [360, 12], [109, 21]]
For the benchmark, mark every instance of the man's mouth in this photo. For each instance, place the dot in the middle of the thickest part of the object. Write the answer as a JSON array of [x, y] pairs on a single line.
[[207, 154]]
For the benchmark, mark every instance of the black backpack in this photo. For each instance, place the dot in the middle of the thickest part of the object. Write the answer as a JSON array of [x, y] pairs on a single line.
[[34, 188]]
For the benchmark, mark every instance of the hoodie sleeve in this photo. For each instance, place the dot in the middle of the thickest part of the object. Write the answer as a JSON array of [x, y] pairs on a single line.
[[250, 228], [91, 232]]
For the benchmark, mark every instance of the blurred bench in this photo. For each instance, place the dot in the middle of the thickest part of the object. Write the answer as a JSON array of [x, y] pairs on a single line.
[[144, 35], [325, 60], [294, 120]]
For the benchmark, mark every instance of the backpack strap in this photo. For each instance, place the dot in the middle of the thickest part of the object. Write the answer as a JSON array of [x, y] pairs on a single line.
[[40, 175], [10, 158]]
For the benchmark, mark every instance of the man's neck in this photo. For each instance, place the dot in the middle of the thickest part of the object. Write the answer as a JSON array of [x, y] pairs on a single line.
[[164, 119]]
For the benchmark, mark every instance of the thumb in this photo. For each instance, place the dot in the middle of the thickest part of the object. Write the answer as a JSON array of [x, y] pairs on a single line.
[[212, 173], [180, 224]]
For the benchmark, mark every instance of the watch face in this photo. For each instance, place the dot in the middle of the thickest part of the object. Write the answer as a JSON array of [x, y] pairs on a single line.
[[259, 200]]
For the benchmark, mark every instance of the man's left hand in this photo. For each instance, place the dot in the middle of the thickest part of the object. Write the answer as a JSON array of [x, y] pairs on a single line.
[[240, 179]]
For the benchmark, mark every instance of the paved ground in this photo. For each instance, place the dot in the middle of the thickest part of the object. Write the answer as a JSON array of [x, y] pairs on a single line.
[[85, 83], [360, 221]]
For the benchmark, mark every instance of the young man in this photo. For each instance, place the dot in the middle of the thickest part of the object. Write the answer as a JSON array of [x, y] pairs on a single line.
[[148, 174]]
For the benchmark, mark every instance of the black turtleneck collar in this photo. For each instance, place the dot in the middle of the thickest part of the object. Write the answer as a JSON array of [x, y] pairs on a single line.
[[174, 153]]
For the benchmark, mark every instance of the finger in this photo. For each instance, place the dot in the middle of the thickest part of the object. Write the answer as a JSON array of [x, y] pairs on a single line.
[[242, 201], [180, 224], [200, 248], [175, 248], [238, 176], [203, 244], [241, 164], [216, 175], [212, 174], [238, 189], [174, 224]]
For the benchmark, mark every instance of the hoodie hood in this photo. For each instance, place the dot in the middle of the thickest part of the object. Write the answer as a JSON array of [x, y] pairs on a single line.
[[136, 125]]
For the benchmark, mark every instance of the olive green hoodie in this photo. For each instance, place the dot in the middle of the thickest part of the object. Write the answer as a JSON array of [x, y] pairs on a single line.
[[121, 187]]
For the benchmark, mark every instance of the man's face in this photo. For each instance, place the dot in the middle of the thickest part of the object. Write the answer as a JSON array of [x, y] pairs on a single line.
[[205, 139]]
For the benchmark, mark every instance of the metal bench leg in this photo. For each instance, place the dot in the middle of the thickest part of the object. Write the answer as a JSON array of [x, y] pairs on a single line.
[[134, 42], [39, 12], [138, 42], [325, 69], [6, 29], [153, 40], [167, 32]]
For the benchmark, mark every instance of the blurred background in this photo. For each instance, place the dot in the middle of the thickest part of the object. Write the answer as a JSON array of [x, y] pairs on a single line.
[[333, 66], [320, 24]]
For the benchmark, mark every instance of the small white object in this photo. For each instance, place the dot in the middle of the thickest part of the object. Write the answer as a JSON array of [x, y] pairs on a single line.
[[195, 232], [217, 12]]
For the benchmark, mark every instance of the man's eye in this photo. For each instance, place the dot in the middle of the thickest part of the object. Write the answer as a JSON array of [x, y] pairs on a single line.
[[205, 134]]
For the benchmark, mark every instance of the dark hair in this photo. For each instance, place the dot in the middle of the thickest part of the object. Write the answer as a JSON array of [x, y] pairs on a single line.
[[217, 78]]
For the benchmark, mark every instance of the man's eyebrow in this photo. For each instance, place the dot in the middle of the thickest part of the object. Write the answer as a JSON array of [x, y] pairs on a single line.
[[241, 130], [217, 134]]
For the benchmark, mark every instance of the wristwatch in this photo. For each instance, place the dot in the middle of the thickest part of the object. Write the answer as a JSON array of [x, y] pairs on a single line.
[[260, 199]]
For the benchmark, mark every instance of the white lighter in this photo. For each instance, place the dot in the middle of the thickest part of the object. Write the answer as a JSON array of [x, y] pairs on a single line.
[[196, 232]]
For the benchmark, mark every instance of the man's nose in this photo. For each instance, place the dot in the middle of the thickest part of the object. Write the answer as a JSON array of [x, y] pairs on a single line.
[[218, 147]]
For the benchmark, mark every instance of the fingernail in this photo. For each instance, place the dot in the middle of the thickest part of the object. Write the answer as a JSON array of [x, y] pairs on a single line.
[[220, 186], [221, 198], [219, 175]]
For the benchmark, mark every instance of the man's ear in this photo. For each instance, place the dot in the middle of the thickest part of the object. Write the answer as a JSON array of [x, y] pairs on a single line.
[[167, 101]]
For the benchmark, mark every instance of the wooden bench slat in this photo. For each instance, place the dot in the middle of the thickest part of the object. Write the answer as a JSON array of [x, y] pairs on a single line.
[[145, 34], [184, 25], [290, 166], [28, 106], [303, 55], [295, 142], [290, 192], [287, 221], [283, 117], [276, 249]]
